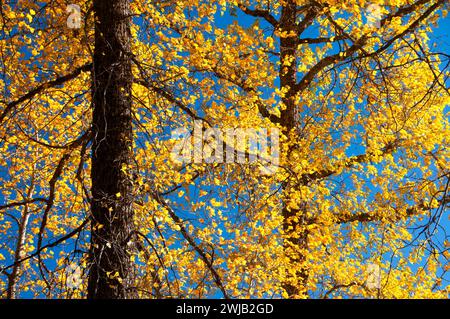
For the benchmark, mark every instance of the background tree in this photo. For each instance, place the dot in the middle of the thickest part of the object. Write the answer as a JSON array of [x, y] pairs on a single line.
[[362, 179]]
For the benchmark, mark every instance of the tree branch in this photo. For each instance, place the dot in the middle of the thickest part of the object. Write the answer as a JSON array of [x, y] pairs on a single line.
[[265, 14], [58, 81]]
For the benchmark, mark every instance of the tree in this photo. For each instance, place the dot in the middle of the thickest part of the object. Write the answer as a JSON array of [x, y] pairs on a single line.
[[358, 93], [112, 194]]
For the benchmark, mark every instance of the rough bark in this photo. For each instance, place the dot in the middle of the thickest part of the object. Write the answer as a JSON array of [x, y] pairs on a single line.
[[110, 274], [296, 237]]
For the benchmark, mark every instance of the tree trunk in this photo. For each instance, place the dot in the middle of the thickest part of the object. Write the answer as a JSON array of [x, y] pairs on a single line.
[[110, 273], [293, 225], [13, 278], [18, 255]]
